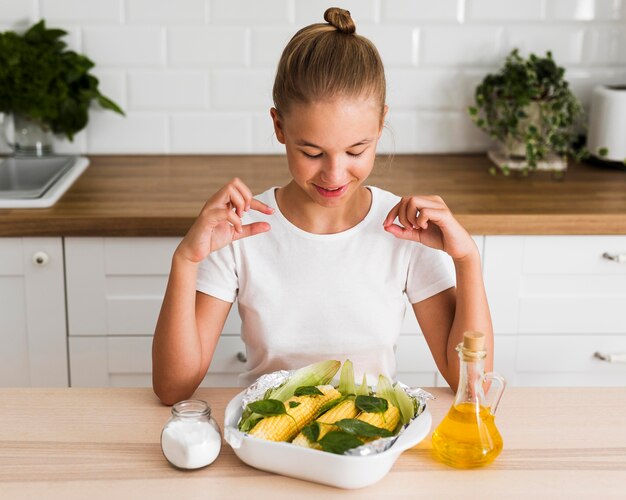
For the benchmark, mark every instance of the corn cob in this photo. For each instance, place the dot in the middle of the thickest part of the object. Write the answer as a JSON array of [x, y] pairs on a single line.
[[285, 427], [345, 409], [389, 420]]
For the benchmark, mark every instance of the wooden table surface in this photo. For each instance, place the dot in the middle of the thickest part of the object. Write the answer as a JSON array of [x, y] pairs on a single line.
[[104, 443], [162, 195]]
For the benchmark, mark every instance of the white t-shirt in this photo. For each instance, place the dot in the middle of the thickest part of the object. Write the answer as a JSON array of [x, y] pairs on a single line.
[[307, 297]]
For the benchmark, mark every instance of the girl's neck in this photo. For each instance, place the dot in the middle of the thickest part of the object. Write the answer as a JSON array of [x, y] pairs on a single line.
[[307, 215]]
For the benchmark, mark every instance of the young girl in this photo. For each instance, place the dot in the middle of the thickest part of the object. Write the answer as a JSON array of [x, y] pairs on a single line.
[[320, 266]]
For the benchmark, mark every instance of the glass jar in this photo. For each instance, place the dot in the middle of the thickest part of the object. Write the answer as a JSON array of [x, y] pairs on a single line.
[[191, 438]]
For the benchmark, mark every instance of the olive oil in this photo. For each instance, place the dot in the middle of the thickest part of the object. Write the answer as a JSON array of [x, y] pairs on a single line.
[[467, 436]]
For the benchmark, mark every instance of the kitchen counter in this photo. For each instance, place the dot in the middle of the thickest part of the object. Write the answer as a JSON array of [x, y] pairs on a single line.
[[104, 443], [162, 195]]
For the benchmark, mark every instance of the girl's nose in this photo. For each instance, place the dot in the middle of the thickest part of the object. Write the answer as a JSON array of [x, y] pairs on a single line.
[[332, 169]]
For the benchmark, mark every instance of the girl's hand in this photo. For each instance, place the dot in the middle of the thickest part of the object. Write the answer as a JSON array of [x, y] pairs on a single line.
[[219, 222], [427, 220]]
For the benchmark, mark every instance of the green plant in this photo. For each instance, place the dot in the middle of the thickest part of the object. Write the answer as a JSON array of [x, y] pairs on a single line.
[[528, 102], [46, 83]]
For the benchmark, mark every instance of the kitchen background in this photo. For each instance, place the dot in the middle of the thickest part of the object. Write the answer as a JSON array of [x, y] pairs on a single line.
[[195, 76]]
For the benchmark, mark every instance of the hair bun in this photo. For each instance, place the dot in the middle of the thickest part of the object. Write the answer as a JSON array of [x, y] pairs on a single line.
[[340, 19]]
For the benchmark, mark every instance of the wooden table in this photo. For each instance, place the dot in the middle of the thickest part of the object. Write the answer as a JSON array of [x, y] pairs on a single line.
[[162, 195], [104, 443]]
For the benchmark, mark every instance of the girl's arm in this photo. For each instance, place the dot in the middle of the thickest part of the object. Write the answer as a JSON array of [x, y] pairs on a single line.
[[445, 316], [190, 322]]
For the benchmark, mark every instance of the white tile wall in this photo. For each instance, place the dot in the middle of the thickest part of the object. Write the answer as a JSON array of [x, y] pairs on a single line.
[[195, 76]]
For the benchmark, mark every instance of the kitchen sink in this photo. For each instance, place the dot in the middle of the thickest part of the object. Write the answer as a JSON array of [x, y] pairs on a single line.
[[32, 182]]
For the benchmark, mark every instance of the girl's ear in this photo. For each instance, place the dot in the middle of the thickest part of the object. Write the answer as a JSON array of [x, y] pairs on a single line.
[[278, 125]]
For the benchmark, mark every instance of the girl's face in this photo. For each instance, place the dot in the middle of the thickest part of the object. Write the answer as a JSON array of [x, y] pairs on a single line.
[[331, 146]]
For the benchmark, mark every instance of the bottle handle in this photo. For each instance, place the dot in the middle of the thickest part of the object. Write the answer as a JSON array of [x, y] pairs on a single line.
[[494, 394]]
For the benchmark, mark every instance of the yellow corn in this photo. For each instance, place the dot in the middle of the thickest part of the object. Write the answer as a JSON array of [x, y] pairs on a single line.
[[285, 427], [389, 420], [345, 409]]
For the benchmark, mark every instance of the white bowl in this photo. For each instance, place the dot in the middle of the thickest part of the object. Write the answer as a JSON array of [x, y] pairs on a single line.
[[342, 471]]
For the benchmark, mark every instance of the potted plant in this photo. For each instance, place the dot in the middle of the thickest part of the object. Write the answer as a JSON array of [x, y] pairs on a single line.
[[45, 86], [528, 107]]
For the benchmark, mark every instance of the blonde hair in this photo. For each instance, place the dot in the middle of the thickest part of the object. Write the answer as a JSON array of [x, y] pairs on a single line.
[[327, 60]]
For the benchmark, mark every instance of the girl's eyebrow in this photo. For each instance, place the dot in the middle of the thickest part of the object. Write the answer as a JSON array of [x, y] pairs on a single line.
[[311, 145]]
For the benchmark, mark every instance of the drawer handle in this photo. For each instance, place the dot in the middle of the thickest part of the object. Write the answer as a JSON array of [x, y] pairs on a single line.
[[611, 358], [41, 258], [617, 257], [241, 357]]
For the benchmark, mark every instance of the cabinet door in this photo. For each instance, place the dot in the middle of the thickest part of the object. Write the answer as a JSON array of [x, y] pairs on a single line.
[[127, 362], [33, 337]]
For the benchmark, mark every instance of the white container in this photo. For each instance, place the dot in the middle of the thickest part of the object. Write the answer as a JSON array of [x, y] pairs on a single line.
[[607, 122], [341, 471]]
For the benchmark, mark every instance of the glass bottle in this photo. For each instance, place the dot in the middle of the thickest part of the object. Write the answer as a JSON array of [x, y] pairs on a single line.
[[467, 436], [191, 438]]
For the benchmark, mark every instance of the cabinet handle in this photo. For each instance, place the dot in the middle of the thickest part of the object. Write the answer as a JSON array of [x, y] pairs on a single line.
[[241, 357], [611, 358], [40, 258], [617, 257]]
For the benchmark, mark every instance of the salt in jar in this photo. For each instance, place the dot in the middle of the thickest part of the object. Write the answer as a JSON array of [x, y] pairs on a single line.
[[191, 437]]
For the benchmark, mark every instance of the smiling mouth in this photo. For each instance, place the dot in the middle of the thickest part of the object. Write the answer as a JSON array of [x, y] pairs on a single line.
[[331, 192]]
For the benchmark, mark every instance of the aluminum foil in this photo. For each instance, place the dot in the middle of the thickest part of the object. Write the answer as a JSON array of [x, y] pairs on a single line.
[[275, 379]]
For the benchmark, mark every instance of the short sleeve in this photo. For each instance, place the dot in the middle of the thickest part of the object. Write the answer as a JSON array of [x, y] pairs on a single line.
[[217, 274], [430, 272]]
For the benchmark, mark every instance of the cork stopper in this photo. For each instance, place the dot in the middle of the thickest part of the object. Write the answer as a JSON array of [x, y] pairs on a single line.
[[474, 341]]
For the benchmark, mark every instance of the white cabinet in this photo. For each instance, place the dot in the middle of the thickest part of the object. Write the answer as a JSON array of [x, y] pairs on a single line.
[[115, 287], [33, 342], [555, 301]]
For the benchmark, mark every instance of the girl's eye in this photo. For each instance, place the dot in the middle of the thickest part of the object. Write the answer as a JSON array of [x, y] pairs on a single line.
[[311, 156], [356, 154]]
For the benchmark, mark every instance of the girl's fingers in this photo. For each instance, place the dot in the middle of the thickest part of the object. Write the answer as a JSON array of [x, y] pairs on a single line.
[[391, 216], [244, 190], [236, 200], [403, 216], [261, 207], [400, 232], [252, 229], [233, 218]]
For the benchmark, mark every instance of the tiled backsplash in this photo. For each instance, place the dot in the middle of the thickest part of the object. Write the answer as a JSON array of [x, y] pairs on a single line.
[[195, 76]]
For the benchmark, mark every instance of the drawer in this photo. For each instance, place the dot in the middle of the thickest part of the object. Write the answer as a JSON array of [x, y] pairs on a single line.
[[573, 255], [570, 354], [127, 362]]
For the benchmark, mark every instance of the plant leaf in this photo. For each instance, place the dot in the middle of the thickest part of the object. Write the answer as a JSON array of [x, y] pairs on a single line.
[[339, 442], [371, 404], [363, 429], [268, 407], [308, 390], [312, 431]]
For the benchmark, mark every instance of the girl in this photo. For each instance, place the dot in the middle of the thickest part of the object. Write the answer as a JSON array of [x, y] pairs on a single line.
[[320, 266]]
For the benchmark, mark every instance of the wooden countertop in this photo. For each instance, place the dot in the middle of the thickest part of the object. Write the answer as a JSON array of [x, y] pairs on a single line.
[[104, 443], [162, 195]]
